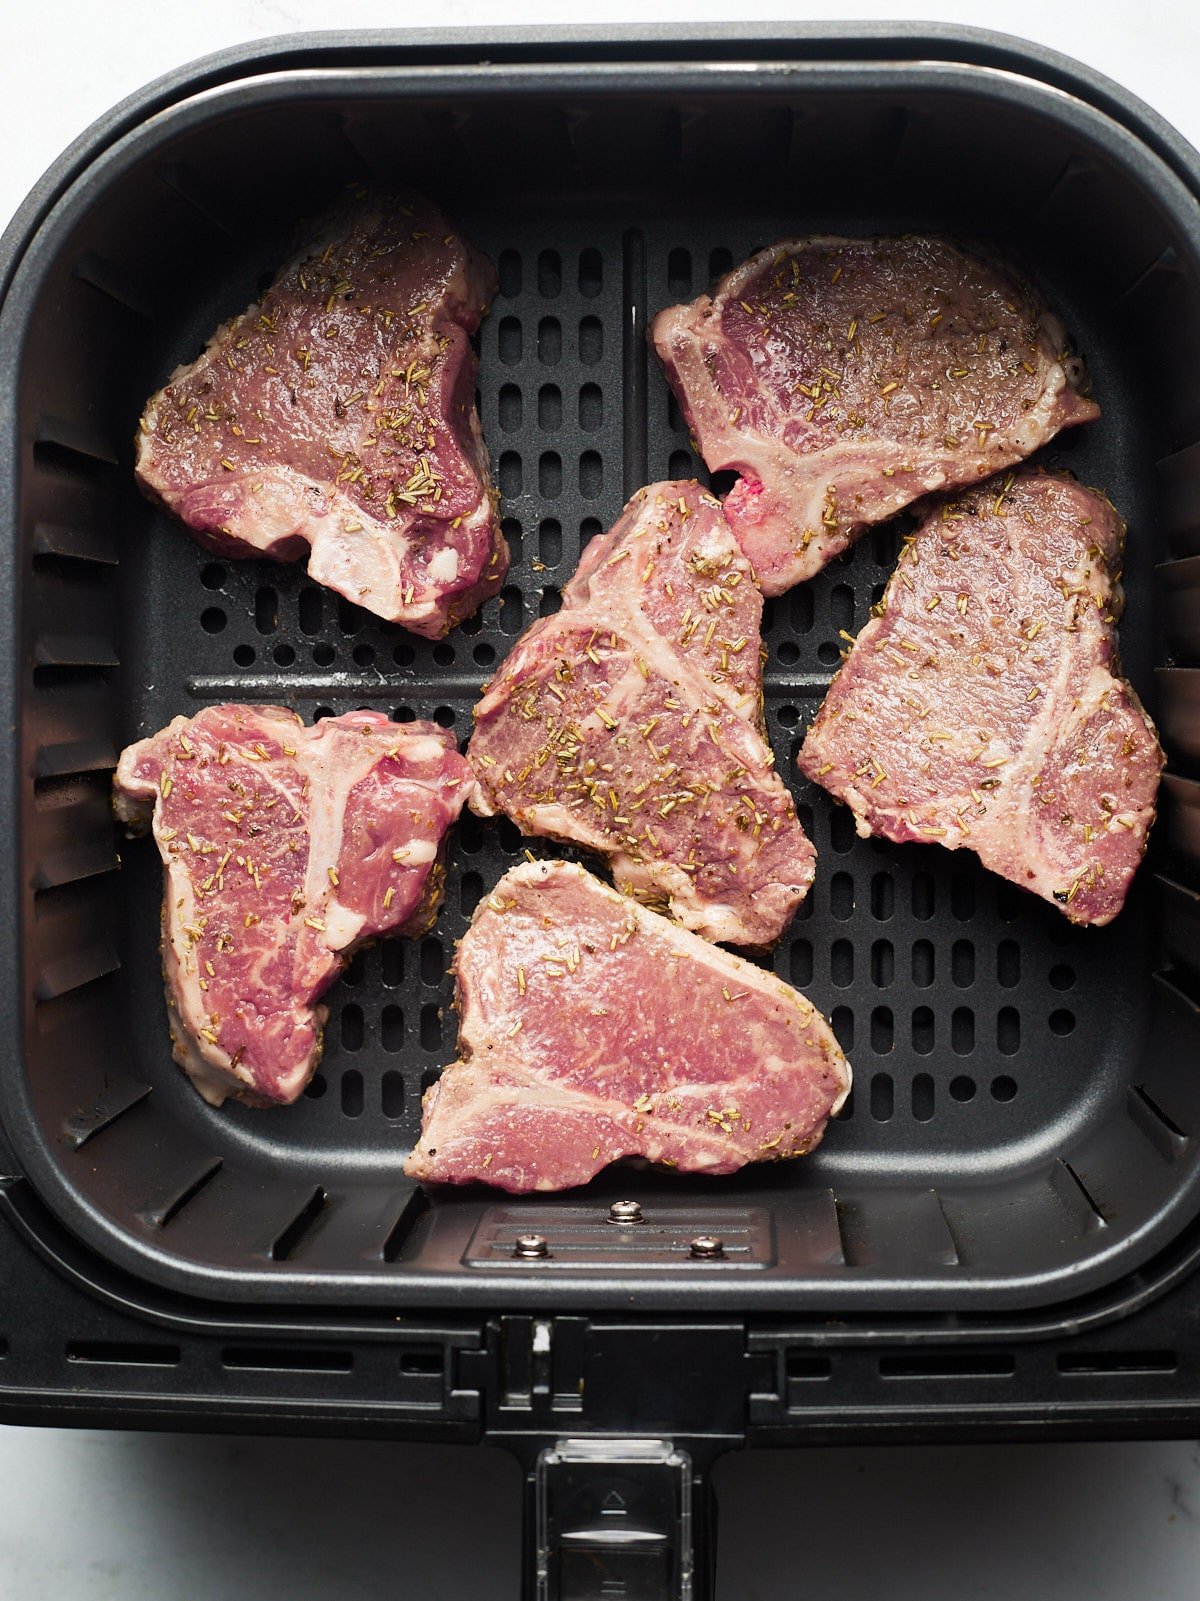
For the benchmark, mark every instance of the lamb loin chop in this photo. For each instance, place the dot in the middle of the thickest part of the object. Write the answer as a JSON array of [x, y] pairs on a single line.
[[984, 705], [843, 378], [338, 413], [594, 1029], [630, 723], [284, 848]]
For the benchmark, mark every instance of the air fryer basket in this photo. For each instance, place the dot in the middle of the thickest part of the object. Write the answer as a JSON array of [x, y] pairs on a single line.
[[1022, 1127]]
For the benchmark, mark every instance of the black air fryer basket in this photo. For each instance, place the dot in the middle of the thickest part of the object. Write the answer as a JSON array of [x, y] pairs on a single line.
[[999, 1229]]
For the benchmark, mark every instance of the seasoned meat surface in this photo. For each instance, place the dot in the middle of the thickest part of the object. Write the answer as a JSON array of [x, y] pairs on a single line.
[[338, 413], [593, 1029], [284, 847], [843, 378], [984, 705], [629, 722]]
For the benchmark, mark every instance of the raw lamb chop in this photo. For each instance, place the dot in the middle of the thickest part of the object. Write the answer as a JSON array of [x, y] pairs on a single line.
[[984, 705], [338, 412], [593, 1029], [629, 723], [284, 847], [843, 378]]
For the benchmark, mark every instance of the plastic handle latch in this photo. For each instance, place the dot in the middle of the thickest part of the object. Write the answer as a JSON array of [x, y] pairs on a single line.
[[614, 1522]]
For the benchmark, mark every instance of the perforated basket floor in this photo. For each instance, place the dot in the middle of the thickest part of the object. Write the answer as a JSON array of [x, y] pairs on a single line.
[[1020, 1123]]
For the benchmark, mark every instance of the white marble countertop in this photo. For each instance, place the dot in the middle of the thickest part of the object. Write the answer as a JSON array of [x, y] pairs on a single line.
[[88, 1516]]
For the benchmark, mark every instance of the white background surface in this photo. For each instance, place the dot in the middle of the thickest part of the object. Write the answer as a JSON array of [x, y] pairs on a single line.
[[149, 1518]]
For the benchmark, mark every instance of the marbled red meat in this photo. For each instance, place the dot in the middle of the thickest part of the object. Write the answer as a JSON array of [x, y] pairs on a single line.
[[284, 847], [629, 722], [843, 378], [338, 413], [594, 1029], [984, 705]]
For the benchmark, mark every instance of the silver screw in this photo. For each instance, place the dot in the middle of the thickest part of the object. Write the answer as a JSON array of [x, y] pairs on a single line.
[[530, 1247], [625, 1212], [707, 1247]]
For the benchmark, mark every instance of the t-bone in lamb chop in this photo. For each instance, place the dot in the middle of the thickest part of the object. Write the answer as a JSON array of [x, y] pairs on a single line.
[[843, 378], [629, 722], [594, 1029], [984, 705], [284, 847], [338, 413]]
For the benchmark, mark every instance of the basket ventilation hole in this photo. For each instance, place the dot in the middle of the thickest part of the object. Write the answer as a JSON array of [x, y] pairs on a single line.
[[391, 1093], [1008, 1030], [591, 272], [352, 1093], [841, 896], [591, 408], [922, 1097], [391, 1027], [213, 619], [243, 655], [509, 273], [923, 963], [266, 609], [431, 1027], [841, 830], [962, 963], [801, 963], [882, 1097], [212, 575], [841, 963], [550, 542], [549, 274], [801, 615], [922, 896], [549, 341], [352, 1028], [509, 341], [1062, 1021], [720, 261], [1003, 1088], [962, 897], [883, 1030], [962, 1031], [962, 1088], [1008, 963], [679, 273], [883, 896], [549, 410], [509, 408], [841, 1020], [432, 962], [1062, 977], [883, 963], [512, 611], [923, 1030], [591, 341]]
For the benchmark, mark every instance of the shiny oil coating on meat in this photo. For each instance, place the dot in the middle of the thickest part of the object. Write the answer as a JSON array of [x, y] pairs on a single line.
[[594, 1029], [338, 412], [843, 378], [984, 707], [629, 722], [284, 847]]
